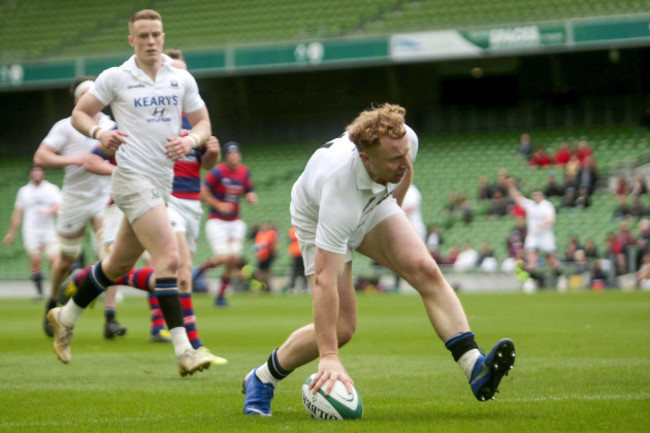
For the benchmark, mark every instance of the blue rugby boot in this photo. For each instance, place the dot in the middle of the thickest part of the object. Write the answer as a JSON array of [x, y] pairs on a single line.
[[258, 395], [489, 370]]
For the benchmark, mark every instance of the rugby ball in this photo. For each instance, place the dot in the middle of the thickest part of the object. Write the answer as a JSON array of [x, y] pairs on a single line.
[[336, 406]]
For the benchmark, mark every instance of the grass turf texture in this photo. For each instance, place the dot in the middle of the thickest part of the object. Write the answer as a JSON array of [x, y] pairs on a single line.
[[582, 365]]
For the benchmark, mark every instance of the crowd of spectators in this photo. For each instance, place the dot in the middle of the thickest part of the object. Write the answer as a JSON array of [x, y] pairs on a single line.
[[621, 254]]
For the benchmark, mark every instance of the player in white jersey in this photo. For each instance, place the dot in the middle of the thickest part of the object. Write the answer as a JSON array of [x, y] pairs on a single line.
[[84, 194], [148, 96], [348, 197], [540, 218], [37, 204]]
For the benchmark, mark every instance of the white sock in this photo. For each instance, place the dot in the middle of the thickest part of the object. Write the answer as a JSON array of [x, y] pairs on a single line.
[[468, 360], [264, 374], [69, 313], [180, 340]]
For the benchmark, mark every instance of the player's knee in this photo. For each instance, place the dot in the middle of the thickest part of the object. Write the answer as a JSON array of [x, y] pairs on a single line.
[[423, 271], [345, 331]]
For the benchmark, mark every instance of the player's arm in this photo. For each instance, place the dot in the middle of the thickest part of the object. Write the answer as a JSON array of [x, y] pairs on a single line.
[[516, 195], [177, 147], [16, 218], [94, 163], [400, 192], [47, 157], [212, 153], [327, 268], [84, 120], [213, 202]]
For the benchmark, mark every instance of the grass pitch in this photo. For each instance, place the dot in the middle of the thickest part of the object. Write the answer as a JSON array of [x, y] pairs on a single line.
[[582, 366]]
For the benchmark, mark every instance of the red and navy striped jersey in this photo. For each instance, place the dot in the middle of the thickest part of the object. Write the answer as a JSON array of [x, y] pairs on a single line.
[[228, 185], [187, 175]]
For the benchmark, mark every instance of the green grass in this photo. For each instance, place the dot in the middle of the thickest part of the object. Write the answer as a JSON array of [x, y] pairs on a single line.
[[582, 366]]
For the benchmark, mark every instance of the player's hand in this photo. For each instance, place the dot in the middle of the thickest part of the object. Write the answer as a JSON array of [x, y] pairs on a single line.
[[9, 239], [112, 139], [225, 207], [178, 147], [330, 370], [213, 147]]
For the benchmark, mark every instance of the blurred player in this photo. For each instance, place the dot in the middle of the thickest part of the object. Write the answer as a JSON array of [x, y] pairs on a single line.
[[540, 218], [147, 95], [37, 204], [222, 189], [348, 198], [84, 194]]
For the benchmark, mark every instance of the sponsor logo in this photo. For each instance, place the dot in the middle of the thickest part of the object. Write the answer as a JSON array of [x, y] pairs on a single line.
[[315, 411], [135, 86], [149, 101], [157, 111], [174, 84]]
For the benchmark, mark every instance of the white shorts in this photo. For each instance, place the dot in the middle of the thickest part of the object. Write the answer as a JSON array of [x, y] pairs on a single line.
[[135, 193], [185, 217], [40, 239], [544, 243], [306, 233], [112, 219], [75, 214], [226, 238]]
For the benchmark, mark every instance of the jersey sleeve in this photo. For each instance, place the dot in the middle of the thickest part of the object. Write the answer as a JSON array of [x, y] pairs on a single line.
[[191, 100], [20, 199], [58, 135], [102, 89]]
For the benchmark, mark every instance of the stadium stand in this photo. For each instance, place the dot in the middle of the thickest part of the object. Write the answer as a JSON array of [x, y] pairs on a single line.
[[446, 162], [89, 28]]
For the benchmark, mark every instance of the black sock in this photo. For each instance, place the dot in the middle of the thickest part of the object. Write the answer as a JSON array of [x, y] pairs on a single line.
[[167, 293], [93, 285], [274, 366], [37, 277], [110, 314], [51, 303], [461, 343]]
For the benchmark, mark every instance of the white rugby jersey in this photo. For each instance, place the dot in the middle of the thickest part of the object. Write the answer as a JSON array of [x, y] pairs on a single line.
[[149, 112], [336, 192], [67, 141], [36, 202], [535, 214]]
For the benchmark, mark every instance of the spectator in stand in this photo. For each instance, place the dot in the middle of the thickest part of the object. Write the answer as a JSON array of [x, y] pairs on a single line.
[[484, 188], [639, 186], [572, 247], [465, 208], [499, 205], [583, 199], [569, 198], [540, 159], [563, 154], [582, 151], [466, 259], [622, 188], [591, 250], [623, 210], [452, 255], [643, 241], [620, 246], [552, 189], [571, 170], [486, 258], [525, 148], [636, 209], [501, 183], [434, 240], [587, 175]]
